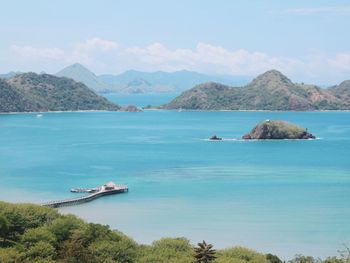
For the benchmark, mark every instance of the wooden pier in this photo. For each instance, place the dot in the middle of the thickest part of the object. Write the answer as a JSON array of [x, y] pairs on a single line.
[[107, 189]]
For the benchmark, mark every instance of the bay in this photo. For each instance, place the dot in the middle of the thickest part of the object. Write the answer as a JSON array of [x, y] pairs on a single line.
[[282, 197]]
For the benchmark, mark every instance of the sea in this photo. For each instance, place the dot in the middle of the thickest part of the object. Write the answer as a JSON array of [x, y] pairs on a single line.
[[283, 197]]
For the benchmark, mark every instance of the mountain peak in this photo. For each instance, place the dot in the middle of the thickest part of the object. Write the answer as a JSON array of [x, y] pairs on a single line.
[[80, 73], [271, 78], [272, 74], [345, 84], [74, 67]]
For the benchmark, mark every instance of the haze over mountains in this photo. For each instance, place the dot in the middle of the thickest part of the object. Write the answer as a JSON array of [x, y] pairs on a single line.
[[269, 91], [133, 81]]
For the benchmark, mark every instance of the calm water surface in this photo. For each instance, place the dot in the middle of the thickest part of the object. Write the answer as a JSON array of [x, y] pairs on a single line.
[[284, 197]]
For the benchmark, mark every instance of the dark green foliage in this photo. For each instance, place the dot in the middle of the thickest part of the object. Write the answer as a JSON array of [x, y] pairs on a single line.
[[22, 217], [44, 92], [11, 100], [4, 228], [269, 91], [336, 260], [204, 253], [273, 258], [64, 226]]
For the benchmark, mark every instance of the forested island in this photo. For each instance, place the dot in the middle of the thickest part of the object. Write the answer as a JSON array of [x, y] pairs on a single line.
[[31, 92], [269, 91], [32, 233]]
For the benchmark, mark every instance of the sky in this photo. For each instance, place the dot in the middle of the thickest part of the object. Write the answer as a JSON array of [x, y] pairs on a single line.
[[309, 41]]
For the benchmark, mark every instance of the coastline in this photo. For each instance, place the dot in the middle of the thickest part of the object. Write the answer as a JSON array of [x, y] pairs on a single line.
[[87, 111], [190, 110], [68, 111]]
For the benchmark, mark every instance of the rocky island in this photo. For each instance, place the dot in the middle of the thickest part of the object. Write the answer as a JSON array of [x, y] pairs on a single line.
[[278, 130], [131, 108]]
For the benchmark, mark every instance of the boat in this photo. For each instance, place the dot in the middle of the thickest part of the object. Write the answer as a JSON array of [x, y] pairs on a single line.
[[85, 190], [215, 138]]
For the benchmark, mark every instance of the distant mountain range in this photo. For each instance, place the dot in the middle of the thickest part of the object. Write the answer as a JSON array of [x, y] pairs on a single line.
[[10, 74], [269, 91], [43, 92], [133, 81]]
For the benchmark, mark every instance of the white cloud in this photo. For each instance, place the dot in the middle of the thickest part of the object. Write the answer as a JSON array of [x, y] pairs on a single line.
[[104, 56], [209, 58], [96, 44], [345, 10], [341, 62]]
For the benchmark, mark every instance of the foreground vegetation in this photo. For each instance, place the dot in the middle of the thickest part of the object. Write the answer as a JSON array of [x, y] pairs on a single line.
[[31, 233]]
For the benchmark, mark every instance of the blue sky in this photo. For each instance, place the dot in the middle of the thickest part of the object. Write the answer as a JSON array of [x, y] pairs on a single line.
[[307, 40]]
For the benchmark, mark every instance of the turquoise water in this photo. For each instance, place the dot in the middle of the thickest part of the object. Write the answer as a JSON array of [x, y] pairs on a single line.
[[141, 99], [284, 197]]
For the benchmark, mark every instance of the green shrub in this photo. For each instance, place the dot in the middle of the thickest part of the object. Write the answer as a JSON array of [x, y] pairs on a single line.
[[240, 255]]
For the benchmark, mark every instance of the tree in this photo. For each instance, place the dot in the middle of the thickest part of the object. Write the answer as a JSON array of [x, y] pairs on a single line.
[[64, 226], [4, 228], [204, 253], [302, 259], [34, 235], [41, 250], [345, 254], [273, 258], [73, 249]]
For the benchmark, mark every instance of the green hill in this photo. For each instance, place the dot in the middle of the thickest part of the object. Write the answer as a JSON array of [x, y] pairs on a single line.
[[12, 100], [34, 92], [269, 91]]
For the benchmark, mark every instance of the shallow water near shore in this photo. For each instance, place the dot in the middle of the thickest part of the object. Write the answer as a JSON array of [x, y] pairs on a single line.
[[283, 197]]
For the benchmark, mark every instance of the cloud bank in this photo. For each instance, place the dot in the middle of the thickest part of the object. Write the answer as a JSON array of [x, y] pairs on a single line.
[[105, 56], [345, 10]]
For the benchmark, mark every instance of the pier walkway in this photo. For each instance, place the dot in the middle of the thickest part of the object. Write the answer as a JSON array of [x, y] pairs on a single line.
[[107, 189]]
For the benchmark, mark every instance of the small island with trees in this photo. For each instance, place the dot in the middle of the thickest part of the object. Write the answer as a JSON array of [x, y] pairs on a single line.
[[278, 130]]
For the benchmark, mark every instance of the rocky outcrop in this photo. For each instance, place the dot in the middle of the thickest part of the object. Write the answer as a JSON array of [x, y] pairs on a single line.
[[131, 108], [277, 130]]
